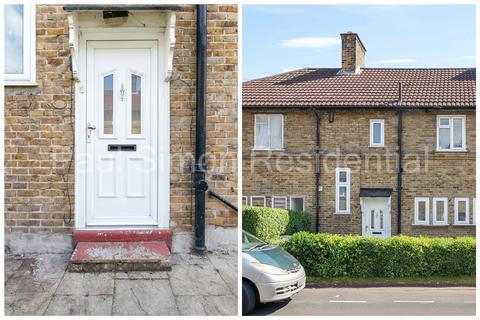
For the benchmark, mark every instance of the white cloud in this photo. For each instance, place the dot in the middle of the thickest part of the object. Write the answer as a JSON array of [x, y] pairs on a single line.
[[467, 57], [310, 42], [393, 61]]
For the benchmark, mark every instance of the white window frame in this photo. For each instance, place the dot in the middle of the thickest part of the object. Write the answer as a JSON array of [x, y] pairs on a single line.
[[450, 126], [246, 200], [297, 197], [382, 133], [339, 184], [427, 210], [279, 197], [28, 77], [467, 213], [268, 115], [258, 197], [445, 211]]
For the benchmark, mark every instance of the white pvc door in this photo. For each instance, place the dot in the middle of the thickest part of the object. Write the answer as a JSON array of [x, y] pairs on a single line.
[[376, 217], [122, 137]]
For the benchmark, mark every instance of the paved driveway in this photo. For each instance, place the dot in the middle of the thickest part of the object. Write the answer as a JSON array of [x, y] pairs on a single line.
[[39, 285], [376, 301]]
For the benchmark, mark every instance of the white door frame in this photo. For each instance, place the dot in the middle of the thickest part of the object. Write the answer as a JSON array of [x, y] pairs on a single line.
[[163, 162], [388, 213]]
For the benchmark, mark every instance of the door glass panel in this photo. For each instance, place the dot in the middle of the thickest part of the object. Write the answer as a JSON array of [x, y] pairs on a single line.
[[136, 104], [372, 219], [439, 211], [108, 104], [381, 219]]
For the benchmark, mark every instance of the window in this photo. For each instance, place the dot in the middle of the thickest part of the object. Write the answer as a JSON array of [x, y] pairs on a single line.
[[376, 133], [19, 44], [279, 202], [297, 203], [257, 201], [268, 132], [440, 211], [474, 214], [451, 133], [461, 211], [421, 210], [244, 201], [342, 193]]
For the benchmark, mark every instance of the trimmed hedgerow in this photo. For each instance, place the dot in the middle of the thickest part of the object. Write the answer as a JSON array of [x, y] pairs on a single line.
[[269, 223], [330, 255]]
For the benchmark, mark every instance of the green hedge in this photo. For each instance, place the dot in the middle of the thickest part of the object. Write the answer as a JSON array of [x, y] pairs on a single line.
[[330, 255], [269, 224]]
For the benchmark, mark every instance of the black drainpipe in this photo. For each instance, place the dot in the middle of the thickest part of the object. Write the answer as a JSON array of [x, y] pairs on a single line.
[[317, 173], [201, 185], [400, 155]]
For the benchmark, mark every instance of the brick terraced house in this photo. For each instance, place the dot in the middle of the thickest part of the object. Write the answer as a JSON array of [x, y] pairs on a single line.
[[369, 151], [108, 113]]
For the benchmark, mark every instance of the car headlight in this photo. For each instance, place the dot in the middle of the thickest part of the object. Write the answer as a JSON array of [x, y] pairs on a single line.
[[269, 269]]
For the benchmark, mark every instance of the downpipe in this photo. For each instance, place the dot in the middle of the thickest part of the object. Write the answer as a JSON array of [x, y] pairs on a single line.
[[200, 169]]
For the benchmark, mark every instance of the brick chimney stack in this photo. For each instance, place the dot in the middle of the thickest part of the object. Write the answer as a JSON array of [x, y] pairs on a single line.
[[353, 53]]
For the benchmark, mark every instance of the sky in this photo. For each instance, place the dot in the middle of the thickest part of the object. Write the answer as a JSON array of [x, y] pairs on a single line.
[[280, 38]]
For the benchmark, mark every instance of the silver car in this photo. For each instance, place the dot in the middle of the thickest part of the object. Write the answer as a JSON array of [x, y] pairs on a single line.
[[268, 273]]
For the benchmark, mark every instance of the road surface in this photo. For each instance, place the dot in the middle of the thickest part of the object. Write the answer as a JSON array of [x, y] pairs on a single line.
[[391, 301]]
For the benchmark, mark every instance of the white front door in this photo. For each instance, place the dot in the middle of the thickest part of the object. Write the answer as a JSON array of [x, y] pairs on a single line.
[[122, 133], [376, 217]]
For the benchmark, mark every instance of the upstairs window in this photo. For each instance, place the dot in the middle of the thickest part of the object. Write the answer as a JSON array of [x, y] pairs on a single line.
[[268, 132], [19, 28], [376, 133], [451, 133], [342, 193]]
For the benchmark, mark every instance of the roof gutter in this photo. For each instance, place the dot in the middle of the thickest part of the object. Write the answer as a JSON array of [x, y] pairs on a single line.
[[362, 108]]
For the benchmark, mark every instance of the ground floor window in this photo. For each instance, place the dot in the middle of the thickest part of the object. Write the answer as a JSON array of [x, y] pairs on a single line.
[[421, 210], [279, 202], [461, 211], [258, 201], [440, 211], [244, 201], [297, 203], [474, 214]]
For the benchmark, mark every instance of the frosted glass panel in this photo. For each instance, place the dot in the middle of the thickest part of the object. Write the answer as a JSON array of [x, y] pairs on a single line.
[[136, 104], [108, 104], [440, 214], [377, 133]]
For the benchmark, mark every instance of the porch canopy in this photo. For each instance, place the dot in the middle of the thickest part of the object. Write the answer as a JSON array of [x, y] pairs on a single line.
[[375, 192], [117, 7]]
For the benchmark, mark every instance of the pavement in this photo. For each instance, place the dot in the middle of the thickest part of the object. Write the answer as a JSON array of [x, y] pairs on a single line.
[[391, 301], [197, 285]]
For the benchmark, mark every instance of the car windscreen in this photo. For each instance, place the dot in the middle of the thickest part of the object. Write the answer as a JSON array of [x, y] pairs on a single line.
[[249, 241], [275, 256]]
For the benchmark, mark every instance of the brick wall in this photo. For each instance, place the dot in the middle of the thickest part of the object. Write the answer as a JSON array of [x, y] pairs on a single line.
[[345, 143], [38, 135]]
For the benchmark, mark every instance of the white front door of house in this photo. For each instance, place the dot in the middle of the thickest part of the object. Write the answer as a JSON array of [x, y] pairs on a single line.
[[121, 133], [376, 217]]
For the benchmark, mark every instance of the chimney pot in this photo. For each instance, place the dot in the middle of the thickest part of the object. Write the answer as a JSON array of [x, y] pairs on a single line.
[[353, 53]]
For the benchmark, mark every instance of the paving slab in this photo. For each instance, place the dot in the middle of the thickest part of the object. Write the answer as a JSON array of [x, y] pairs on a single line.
[[100, 305], [86, 284], [11, 265], [144, 297], [226, 266], [197, 280], [141, 275]]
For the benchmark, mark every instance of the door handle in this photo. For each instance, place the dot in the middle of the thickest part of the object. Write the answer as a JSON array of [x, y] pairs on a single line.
[[90, 128]]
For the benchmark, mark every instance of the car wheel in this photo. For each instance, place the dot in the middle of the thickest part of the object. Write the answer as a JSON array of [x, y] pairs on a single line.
[[249, 298]]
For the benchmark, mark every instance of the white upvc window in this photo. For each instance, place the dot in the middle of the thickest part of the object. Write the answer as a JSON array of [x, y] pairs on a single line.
[[377, 136], [451, 133], [440, 211], [19, 35], [297, 203], [461, 211], [244, 201], [279, 202], [257, 201], [268, 132], [422, 211], [342, 191], [474, 213]]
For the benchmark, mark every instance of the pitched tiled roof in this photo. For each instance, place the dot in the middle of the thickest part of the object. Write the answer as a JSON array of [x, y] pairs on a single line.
[[372, 87]]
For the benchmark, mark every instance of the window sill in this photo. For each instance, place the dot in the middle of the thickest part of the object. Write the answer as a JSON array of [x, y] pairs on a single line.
[[422, 225], [453, 150], [27, 83], [254, 149], [376, 146], [463, 225], [342, 213]]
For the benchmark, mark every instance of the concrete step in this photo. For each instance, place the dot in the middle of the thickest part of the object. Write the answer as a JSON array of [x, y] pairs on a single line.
[[122, 236], [120, 256]]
